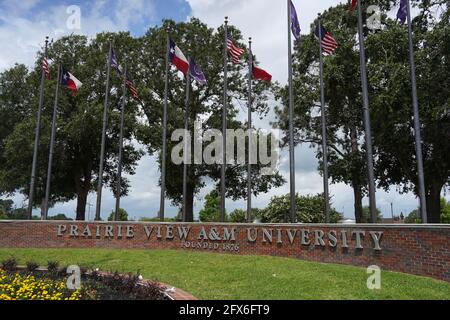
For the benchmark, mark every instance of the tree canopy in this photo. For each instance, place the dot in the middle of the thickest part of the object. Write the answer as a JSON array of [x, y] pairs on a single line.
[[211, 210], [310, 209], [77, 145], [204, 44], [389, 97], [123, 215], [77, 148]]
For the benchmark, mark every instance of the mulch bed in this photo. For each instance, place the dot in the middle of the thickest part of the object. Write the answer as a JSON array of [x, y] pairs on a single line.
[[115, 286]]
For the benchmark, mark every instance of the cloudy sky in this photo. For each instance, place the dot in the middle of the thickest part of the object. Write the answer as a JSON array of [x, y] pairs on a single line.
[[24, 25]]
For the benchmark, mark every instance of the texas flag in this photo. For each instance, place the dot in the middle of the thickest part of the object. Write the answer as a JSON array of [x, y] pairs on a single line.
[[260, 74], [177, 58], [68, 80]]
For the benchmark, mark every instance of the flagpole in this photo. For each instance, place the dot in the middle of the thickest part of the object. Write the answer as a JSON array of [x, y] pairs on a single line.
[[324, 130], [293, 217], [365, 96], [164, 134], [122, 121], [52, 146], [186, 144], [249, 165], [36, 139], [417, 133], [224, 125], [102, 152]]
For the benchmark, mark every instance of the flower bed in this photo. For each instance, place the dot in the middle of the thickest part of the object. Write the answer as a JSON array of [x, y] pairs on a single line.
[[32, 283], [15, 286]]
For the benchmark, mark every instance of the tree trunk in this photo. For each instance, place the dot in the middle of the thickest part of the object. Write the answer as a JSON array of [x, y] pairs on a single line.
[[81, 205], [358, 203], [82, 187], [434, 203]]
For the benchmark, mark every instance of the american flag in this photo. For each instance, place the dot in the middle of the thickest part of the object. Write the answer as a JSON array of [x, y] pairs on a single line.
[[45, 67], [133, 90], [329, 44], [234, 51]]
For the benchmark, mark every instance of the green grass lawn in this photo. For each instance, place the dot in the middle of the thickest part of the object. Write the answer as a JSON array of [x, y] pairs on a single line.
[[216, 276]]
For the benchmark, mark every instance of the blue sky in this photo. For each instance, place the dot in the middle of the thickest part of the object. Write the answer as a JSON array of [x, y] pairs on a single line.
[[172, 9], [24, 25], [157, 10], [139, 14]]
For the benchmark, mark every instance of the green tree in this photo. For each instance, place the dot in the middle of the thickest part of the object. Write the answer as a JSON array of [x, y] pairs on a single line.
[[345, 129], [211, 210], [157, 219], [256, 214], [77, 149], [19, 214], [389, 76], [15, 98], [413, 217], [6, 206], [123, 215], [76, 159], [445, 211], [390, 94], [59, 217], [310, 209], [205, 44], [238, 216], [366, 218]]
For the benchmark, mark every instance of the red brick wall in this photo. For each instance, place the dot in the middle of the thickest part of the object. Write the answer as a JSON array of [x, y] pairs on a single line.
[[420, 250]]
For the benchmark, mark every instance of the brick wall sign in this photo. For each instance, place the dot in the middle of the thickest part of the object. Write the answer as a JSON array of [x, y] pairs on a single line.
[[415, 249]]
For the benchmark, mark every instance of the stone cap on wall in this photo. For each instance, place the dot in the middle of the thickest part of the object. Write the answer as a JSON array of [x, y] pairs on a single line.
[[325, 225]]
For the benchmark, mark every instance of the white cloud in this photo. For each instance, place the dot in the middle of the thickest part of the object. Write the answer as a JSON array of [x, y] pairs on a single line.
[[22, 36], [263, 20]]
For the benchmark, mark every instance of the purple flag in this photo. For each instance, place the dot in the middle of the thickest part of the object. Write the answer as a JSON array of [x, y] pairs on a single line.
[[114, 62], [295, 25], [402, 13], [196, 73]]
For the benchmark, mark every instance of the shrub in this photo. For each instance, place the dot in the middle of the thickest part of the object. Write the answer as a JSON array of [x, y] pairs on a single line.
[[53, 266], [9, 264], [413, 217], [115, 286], [211, 211], [310, 209], [123, 215], [238, 216], [445, 211], [152, 289], [32, 266]]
